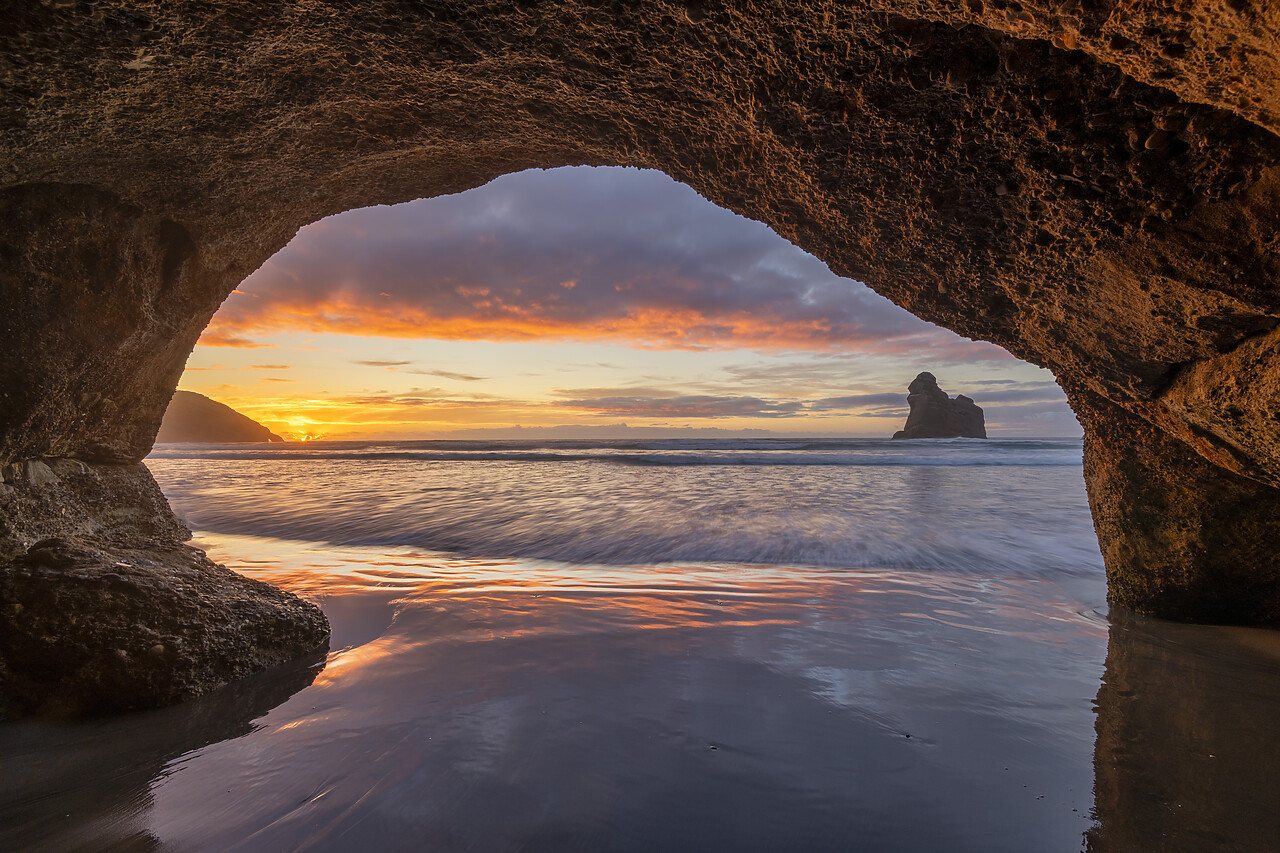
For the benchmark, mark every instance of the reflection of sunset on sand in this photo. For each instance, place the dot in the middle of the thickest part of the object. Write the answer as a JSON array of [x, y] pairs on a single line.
[[615, 685], [767, 643], [754, 705]]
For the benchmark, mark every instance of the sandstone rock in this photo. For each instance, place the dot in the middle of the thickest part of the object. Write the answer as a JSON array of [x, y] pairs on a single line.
[[30, 472], [1182, 538], [86, 628], [115, 504], [935, 415], [68, 467]]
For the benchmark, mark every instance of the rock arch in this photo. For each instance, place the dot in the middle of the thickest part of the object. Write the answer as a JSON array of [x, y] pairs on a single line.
[[1094, 186]]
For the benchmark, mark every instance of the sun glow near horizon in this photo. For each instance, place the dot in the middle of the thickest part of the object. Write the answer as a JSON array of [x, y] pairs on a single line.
[[578, 300]]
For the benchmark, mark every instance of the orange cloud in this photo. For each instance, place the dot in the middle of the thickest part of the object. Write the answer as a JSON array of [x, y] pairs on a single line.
[[214, 336], [583, 255], [676, 328]]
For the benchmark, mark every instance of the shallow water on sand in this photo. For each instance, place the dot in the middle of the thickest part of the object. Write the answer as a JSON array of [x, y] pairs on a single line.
[[523, 703], [495, 705]]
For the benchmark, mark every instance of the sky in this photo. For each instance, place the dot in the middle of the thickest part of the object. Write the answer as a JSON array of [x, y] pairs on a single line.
[[582, 302]]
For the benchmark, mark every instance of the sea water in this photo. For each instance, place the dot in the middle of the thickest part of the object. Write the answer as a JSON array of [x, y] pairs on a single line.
[[677, 646]]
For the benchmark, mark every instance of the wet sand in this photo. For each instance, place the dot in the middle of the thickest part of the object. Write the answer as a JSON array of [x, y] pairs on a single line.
[[526, 705]]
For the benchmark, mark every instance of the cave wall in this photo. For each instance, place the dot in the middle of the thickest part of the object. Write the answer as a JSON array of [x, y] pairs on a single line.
[[1093, 185]]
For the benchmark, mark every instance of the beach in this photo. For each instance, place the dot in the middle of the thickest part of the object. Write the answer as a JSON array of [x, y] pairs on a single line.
[[673, 646]]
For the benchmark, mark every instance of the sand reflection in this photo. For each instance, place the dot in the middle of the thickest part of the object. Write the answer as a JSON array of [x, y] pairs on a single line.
[[1188, 756], [518, 704], [542, 706], [87, 786]]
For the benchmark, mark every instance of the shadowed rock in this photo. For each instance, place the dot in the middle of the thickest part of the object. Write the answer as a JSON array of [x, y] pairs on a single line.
[[935, 415], [103, 608], [194, 417]]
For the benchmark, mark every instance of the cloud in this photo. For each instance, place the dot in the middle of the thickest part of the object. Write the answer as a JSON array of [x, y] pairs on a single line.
[[1010, 408], [270, 367], [687, 407], [728, 406], [382, 363], [619, 255], [628, 391], [1058, 424], [449, 374], [596, 431], [217, 335], [424, 397], [859, 401], [1046, 392]]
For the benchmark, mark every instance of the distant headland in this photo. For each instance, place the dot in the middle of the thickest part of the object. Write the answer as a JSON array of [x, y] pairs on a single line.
[[193, 417], [935, 415]]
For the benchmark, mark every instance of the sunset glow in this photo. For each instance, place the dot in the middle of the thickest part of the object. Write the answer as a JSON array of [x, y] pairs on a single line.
[[571, 302]]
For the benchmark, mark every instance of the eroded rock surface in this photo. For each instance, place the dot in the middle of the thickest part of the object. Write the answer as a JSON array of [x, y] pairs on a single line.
[[935, 415], [1095, 188], [1182, 537]]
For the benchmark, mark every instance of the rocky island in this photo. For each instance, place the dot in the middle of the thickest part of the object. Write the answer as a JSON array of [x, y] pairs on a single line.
[[194, 417], [935, 415]]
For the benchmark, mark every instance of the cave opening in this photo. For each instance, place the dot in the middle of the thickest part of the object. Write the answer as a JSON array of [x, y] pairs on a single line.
[[575, 297], [602, 313]]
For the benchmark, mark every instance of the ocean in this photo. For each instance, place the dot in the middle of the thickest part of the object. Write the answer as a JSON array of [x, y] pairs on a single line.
[[709, 645], [954, 507]]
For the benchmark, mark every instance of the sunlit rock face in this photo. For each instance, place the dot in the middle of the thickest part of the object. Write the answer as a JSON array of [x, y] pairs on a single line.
[[1096, 192]]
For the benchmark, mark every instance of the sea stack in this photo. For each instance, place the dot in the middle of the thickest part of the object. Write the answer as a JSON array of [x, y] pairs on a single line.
[[935, 415]]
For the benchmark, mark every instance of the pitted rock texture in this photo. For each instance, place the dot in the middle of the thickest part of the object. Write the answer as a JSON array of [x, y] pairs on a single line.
[[935, 415], [86, 629], [1094, 186], [1181, 537], [115, 504], [103, 608]]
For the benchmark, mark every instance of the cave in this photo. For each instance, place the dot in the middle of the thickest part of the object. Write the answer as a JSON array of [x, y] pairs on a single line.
[[1096, 191]]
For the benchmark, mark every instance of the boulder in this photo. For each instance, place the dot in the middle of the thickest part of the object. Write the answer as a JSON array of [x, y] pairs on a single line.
[[90, 628], [30, 472], [103, 607], [935, 415]]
